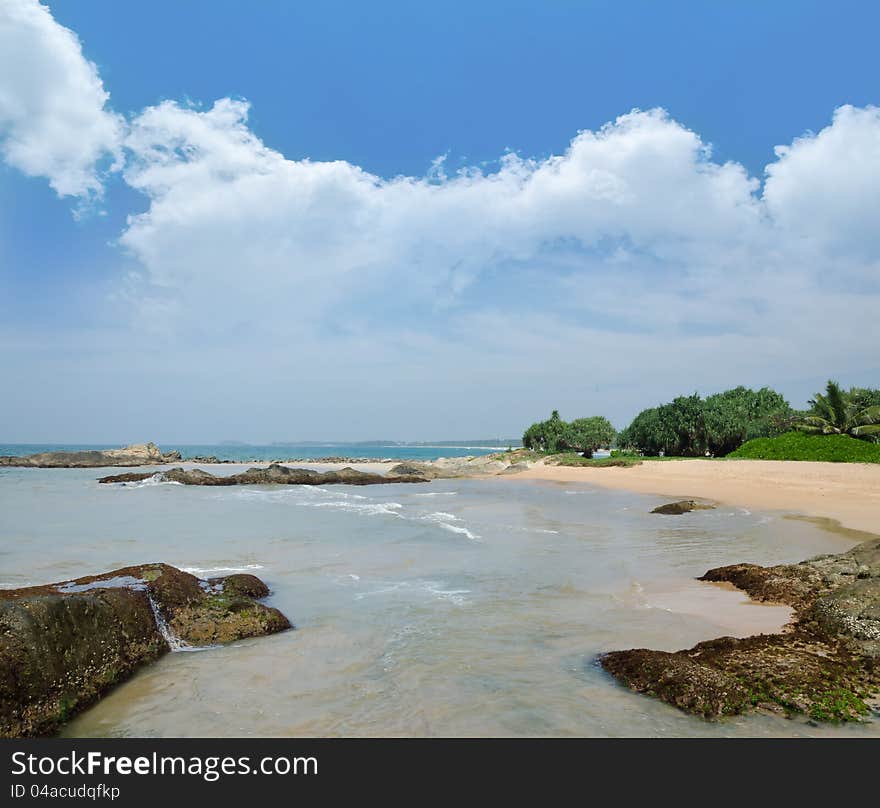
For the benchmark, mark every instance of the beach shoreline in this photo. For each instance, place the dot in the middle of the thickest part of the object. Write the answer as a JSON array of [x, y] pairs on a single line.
[[847, 493]]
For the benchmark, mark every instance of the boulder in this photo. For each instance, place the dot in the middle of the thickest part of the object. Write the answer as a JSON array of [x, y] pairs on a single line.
[[138, 454], [63, 645], [827, 665], [682, 506], [272, 475]]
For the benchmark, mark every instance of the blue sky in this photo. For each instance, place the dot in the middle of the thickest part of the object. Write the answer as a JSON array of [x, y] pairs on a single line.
[[428, 309]]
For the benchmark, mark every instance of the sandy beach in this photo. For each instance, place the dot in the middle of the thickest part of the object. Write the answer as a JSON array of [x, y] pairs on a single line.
[[848, 493]]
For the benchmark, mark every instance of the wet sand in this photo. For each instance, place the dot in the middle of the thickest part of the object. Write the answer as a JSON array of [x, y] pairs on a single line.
[[848, 493]]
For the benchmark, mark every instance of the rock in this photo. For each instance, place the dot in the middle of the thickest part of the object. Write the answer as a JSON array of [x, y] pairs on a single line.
[[682, 506], [273, 475], [139, 454], [827, 665], [452, 467], [63, 645]]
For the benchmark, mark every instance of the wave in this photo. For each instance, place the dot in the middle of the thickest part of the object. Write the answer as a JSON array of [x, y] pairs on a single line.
[[433, 588], [368, 509], [458, 529], [157, 479], [206, 570], [438, 494], [444, 520]]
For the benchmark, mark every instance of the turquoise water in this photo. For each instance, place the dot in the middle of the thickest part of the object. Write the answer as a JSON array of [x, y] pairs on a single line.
[[247, 453], [451, 608]]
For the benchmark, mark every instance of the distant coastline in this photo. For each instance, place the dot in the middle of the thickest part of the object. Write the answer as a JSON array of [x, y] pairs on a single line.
[[309, 451]]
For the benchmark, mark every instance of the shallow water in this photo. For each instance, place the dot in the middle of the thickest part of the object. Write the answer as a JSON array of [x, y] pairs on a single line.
[[459, 607]]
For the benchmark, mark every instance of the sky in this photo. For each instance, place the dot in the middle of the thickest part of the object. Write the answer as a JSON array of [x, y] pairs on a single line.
[[337, 221]]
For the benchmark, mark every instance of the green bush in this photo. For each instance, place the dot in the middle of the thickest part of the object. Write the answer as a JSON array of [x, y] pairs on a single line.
[[689, 426], [571, 459], [800, 446]]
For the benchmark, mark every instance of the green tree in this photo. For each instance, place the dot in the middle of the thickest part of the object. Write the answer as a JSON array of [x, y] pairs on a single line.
[[545, 436], [586, 435], [689, 426], [647, 433], [838, 412], [735, 416]]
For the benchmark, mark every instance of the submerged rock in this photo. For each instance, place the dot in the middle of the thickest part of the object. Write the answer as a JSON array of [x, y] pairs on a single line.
[[827, 665], [63, 645], [138, 454], [274, 475], [682, 506]]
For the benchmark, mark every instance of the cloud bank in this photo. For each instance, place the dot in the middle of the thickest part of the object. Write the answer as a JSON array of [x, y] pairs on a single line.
[[632, 261]]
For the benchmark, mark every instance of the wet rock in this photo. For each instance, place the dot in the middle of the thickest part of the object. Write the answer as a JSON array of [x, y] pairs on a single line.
[[63, 645], [682, 506], [138, 454], [272, 475], [827, 665]]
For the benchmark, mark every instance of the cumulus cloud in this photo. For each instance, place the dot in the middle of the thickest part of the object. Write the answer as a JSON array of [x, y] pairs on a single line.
[[631, 261], [224, 207], [825, 187], [53, 117]]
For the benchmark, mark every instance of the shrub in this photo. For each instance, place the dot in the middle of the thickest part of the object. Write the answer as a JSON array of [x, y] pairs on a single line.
[[800, 446]]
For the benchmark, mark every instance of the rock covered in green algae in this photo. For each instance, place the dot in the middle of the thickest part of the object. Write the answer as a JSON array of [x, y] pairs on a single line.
[[272, 475], [63, 645], [826, 666]]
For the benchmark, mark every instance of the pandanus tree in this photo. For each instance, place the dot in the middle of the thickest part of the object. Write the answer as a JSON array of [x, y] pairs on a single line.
[[837, 412]]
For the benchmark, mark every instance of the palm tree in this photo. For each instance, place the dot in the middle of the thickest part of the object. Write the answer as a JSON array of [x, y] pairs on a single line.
[[838, 413]]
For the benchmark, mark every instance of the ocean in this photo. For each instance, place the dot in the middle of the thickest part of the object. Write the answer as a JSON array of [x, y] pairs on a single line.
[[454, 608], [246, 453]]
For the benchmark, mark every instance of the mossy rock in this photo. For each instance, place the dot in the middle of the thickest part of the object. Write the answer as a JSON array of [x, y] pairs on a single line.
[[63, 645], [827, 666]]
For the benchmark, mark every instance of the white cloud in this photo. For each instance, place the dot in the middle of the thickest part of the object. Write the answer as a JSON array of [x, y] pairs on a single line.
[[825, 188], [631, 262], [226, 212], [53, 117]]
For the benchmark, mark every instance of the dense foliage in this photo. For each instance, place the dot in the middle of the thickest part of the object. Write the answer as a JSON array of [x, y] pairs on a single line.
[[800, 446], [584, 435], [690, 426], [854, 412]]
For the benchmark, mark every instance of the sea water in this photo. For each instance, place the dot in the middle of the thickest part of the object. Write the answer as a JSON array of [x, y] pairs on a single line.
[[452, 608], [244, 452]]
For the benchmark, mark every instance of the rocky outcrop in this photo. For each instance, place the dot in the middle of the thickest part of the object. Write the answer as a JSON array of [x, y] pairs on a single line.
[[138, 454], [272, 475], [63, 645], [827, 665], [682, 506], [471, 466]]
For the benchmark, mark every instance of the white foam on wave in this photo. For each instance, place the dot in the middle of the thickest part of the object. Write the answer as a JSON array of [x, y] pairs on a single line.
[[366, 508], [445, 520], [207, 570], [438, 494], [157, 479], [458, 529], [442, 516]]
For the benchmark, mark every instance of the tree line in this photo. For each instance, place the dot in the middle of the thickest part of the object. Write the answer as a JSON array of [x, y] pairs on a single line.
[[691, 426]]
